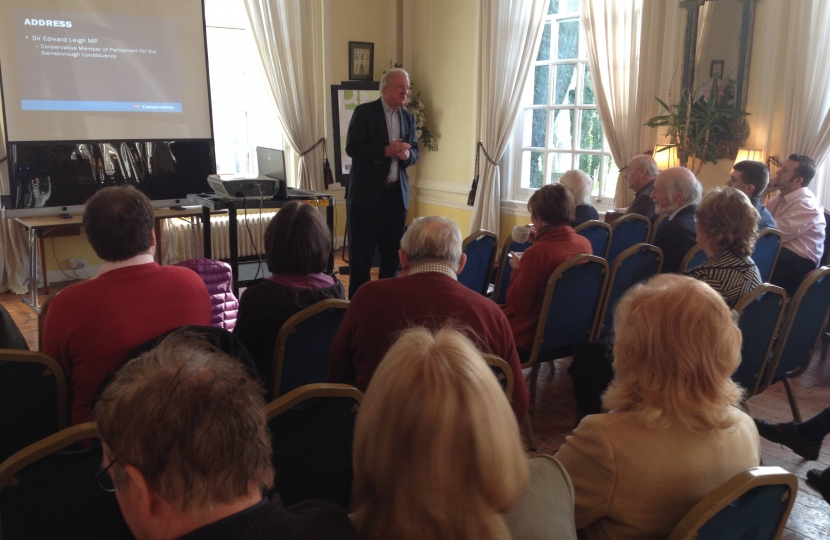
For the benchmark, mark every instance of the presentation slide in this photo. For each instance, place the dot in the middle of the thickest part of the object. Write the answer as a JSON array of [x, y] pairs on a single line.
[[88, 70]]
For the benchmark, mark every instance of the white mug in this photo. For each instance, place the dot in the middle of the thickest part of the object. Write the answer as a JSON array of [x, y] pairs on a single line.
[[520, 234]]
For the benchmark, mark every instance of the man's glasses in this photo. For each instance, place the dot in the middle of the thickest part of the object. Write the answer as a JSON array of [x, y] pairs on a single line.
[[105, 480]]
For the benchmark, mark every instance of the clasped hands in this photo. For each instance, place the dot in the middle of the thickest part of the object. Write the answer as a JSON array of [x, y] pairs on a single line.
[[398, 148]]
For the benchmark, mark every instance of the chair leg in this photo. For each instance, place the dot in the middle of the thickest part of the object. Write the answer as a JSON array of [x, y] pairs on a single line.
[[531, 440], [534, 377], [793, 403]]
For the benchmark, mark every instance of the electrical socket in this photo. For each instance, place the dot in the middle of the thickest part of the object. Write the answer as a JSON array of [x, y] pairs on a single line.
[[77, 263]]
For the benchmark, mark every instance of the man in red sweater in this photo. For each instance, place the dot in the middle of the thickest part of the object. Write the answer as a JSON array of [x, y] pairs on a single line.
[[90, 327], [428, 295]]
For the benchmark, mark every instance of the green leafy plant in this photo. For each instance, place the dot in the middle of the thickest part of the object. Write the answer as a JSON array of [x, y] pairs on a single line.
[[700, 128]]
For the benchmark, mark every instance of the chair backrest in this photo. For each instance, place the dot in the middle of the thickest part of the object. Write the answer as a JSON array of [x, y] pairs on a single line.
[[312, 429], [598, 233], [49, 493], [572, 296], [656, 225], [32, 399], [767, 248], [629, 230], [693, 258], [801, 328], [637, 263], [301, 352], [503, 275], [754, 504], [502, 371], [480, 248], [760, 311], [10, 335]]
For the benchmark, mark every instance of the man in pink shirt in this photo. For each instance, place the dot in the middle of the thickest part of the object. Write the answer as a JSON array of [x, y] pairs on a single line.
[[800, 218]]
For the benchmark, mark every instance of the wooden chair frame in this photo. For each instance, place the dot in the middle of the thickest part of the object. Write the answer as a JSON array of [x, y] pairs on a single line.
[[289, 327], [624, 219], [33, 357], [599, 316], [472, 238], [687, 258], [786, 328], [734, 488], [310, 391], [602, 225], [493, 360], [775, 232]]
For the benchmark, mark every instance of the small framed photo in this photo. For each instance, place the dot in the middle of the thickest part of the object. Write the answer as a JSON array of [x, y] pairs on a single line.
[[716, 70], [361, 61]]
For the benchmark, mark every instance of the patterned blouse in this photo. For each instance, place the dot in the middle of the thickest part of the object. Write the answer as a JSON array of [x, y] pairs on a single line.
[[730, 275]]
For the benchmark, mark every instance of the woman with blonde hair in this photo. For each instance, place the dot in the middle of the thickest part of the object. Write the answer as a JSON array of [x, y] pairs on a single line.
[[437, 452], [674, 433], [727, 227], [580, 184]]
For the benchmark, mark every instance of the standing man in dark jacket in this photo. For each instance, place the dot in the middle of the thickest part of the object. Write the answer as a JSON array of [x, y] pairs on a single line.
[[382, 143]]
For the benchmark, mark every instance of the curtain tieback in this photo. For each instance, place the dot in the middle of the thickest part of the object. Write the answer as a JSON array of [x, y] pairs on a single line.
[[315, 145], [471, 198]]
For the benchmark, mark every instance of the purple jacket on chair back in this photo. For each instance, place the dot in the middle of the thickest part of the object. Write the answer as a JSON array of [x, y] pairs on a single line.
[[219, 281]]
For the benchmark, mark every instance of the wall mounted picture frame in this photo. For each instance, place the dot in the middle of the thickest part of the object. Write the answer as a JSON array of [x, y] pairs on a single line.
[[716, 70], [361, 61]]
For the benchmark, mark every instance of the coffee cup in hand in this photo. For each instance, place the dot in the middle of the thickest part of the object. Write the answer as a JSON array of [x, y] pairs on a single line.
[[520, 234]]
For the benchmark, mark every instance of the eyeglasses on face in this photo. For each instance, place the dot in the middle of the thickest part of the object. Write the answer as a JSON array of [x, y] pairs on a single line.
[[104, 479]]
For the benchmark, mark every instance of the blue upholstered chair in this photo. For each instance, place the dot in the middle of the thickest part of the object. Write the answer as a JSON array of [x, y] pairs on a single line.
[[598, 233], [503, 275], [480, 248], [802, 326], [312, 429], [693, 258], [760, 311], [627, 231], [301, 353], [767, 248], [634, 265], [754, 504]]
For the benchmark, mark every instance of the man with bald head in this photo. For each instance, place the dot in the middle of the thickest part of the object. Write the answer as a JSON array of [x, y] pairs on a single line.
[[677, 193], [640, 175]]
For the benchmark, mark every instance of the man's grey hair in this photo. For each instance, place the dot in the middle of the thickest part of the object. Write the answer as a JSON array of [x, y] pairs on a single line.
[[387, 77], [433, 239], [580, 184], [647, 162], [682, 179]]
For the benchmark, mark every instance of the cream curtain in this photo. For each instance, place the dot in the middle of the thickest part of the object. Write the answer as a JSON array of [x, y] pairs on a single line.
[[625, 53], [510, 34], [289, 38]]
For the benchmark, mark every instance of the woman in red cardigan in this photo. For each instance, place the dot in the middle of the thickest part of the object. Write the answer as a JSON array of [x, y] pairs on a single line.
[[554, 242]]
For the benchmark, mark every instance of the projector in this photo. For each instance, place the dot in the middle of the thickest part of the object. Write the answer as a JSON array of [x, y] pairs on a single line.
[[234, 186]]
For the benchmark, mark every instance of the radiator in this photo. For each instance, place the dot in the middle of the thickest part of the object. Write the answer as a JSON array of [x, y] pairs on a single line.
[[183, 237]]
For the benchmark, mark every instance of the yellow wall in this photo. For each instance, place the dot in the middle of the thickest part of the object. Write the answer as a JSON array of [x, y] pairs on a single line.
[[59, 250], [365, 20]]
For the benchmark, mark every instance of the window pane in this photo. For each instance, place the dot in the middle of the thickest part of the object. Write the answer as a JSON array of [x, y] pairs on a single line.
[[588, 97], [535, 127], [590, 137], [541, 85], [532, 169], [565, 84], [611, 174], [559, 163], [553, 7], [544, 45], [568, 38], [562, 130], [590, 163], [573, 6]]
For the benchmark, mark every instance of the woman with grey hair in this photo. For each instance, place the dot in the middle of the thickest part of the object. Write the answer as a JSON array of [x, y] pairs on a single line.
[[580, 184]]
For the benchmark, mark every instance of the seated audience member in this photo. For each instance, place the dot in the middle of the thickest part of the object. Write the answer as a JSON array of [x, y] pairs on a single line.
[[676, 193], [554, 242], [297, 249], [426, 293], [752, 177], [800, 218], [673, 434], [640, 175], [580, 184], [437, 452], [91, 326], [726, 225], [188, 454]]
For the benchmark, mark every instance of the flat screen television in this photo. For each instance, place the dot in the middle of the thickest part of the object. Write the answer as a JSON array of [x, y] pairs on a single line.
[[99, 93]]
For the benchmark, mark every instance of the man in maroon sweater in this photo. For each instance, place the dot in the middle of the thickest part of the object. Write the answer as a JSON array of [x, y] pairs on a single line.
[[90, 327], [428, 294]]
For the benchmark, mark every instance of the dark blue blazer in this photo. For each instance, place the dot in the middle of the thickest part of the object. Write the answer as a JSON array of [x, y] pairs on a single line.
[[585, 213], [676, 238], [367, 138]]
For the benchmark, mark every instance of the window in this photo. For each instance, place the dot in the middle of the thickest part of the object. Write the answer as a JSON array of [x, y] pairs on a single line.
[[559, 127], [244, 114]]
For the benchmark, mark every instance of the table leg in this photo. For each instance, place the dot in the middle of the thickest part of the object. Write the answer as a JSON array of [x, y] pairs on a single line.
[[233, 244], [207, 252], [32, 299], [42, 245]]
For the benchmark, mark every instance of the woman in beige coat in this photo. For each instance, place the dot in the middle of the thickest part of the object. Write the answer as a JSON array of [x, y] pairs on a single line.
[[673, 434]]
